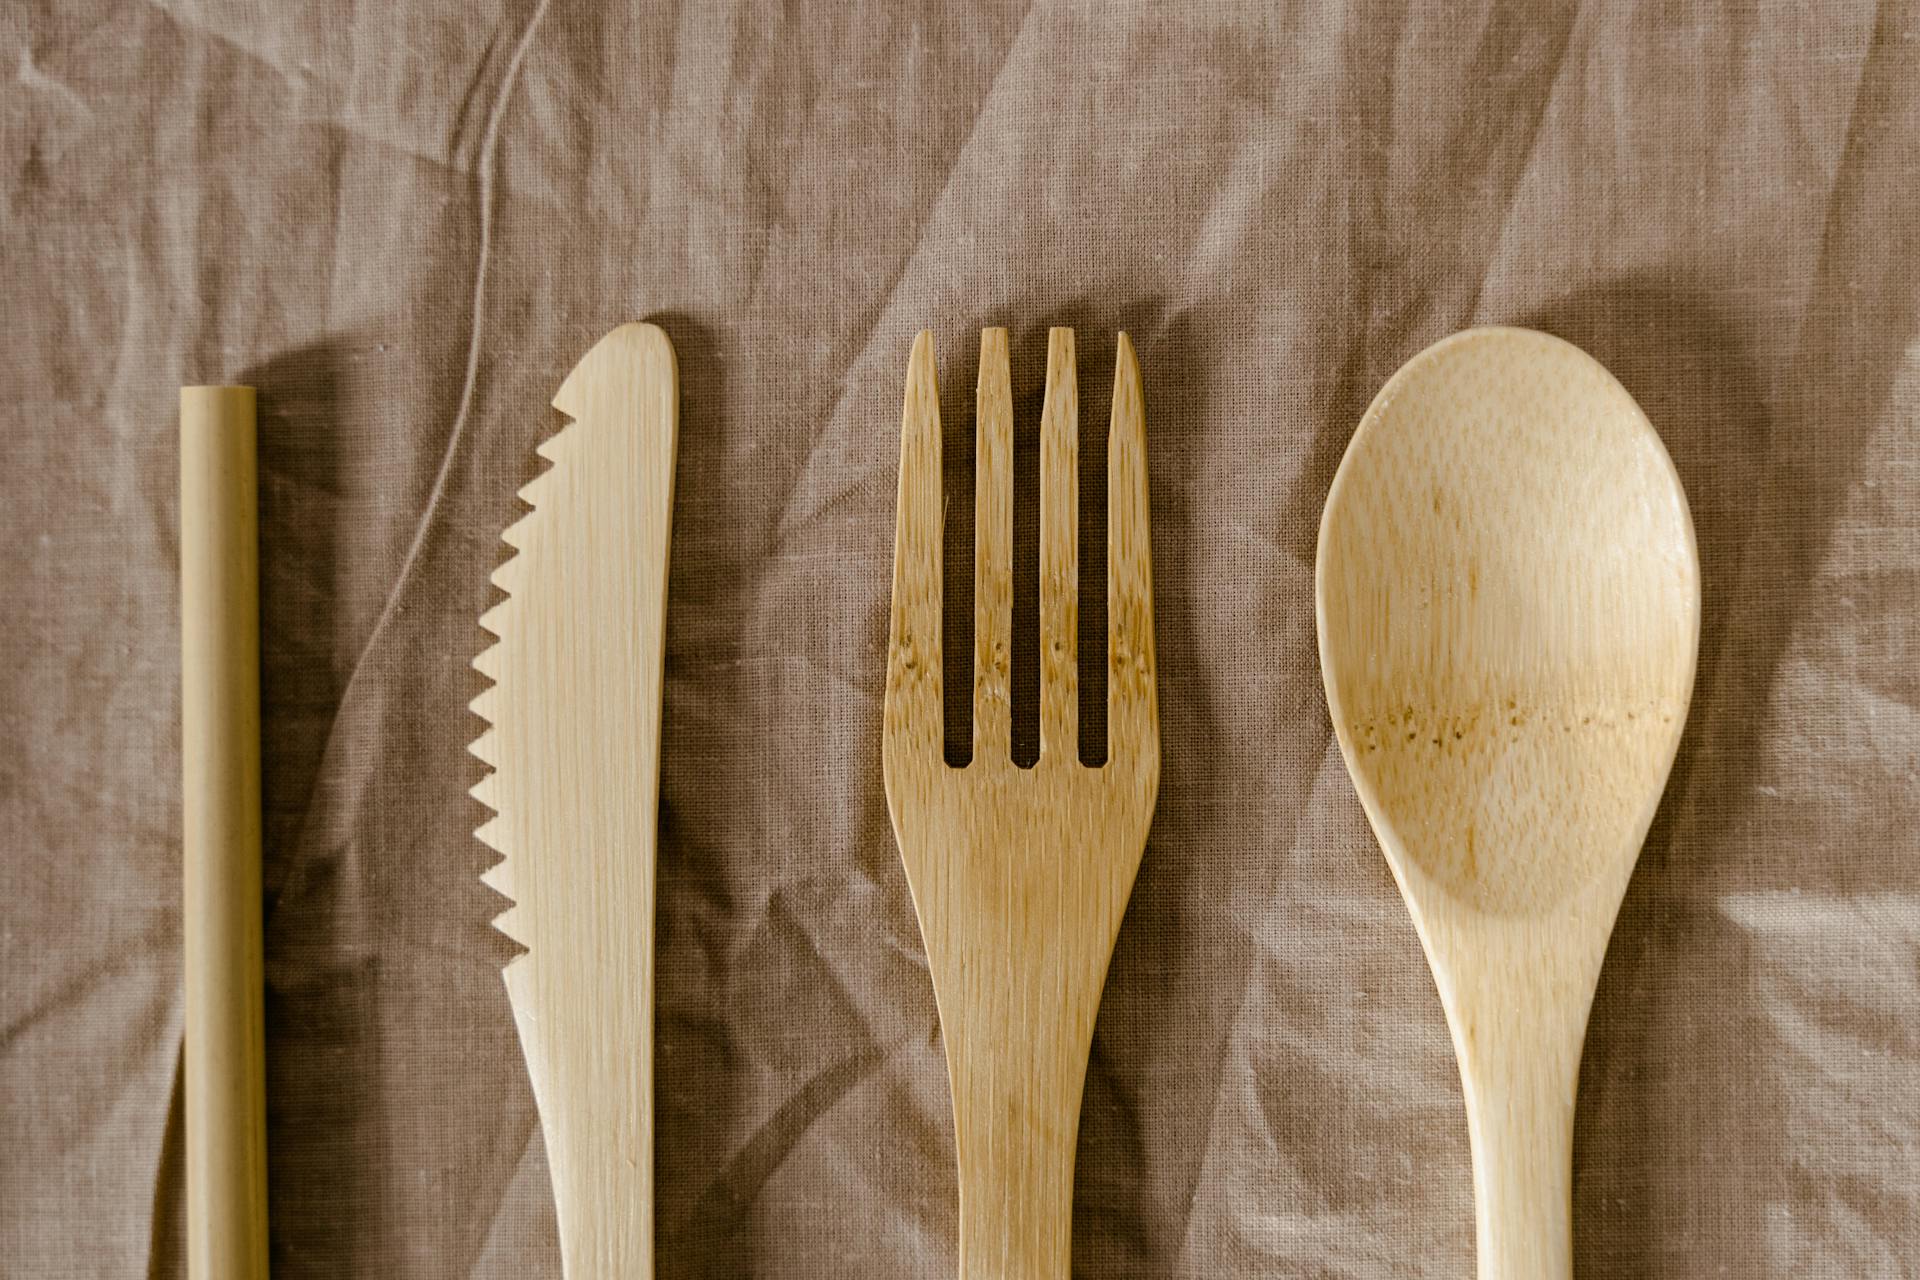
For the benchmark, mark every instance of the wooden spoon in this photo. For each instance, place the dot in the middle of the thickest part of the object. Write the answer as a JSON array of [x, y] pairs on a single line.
[[1509, 615]]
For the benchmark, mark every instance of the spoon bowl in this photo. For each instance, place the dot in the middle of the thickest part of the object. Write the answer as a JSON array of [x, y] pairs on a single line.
[[1509, 616]]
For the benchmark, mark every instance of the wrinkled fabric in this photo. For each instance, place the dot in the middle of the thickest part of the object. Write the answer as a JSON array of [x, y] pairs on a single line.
[[404, 222]]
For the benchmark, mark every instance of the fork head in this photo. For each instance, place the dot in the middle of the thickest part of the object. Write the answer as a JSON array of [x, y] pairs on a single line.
[[1027, 867], [913, 726]]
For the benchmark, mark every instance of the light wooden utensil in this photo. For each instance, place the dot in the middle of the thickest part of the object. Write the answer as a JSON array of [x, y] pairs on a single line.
[[1509, 613], [575, 749], [225, 1035], [1020, 876]]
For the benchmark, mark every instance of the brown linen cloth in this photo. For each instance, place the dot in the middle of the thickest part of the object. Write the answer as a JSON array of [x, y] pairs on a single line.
[[405, 221]]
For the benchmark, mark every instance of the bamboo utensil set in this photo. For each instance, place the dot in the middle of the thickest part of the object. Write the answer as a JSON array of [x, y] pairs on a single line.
[[1508, 609]]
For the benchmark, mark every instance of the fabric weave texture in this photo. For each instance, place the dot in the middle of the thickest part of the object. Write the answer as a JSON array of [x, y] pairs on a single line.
[[404, 222]]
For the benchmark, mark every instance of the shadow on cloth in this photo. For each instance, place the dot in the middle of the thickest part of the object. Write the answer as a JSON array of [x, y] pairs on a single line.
[[1674, 1077]]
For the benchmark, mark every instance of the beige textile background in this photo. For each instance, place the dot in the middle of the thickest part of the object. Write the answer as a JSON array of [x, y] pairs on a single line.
[[405, 220]]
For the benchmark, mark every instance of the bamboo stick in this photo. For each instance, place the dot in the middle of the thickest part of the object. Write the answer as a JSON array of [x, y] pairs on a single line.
[[225, 1093]]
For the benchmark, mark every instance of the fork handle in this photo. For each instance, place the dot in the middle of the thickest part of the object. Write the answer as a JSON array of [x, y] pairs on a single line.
[[1014, 1137], [1019, 935]]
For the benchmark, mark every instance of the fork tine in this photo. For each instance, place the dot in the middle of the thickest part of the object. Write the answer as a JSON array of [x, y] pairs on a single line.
[[1059, 551], [1132, 702], [993, 555], [913, 716]]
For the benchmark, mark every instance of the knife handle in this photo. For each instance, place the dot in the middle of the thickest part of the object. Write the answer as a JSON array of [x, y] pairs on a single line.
[[225, 1051]]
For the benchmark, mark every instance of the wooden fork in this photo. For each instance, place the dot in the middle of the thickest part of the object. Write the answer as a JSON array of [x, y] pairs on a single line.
[[1020, 876]]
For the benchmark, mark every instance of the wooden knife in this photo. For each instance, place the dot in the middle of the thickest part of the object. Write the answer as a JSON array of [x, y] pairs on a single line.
[[575, 752]]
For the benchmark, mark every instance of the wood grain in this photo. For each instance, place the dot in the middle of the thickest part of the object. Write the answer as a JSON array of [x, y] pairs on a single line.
[[1019, 876], [575, 749], [225, 1034], [1509, 613]]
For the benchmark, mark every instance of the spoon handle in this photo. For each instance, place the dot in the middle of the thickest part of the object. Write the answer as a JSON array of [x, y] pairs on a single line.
[[1519, 1068]]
